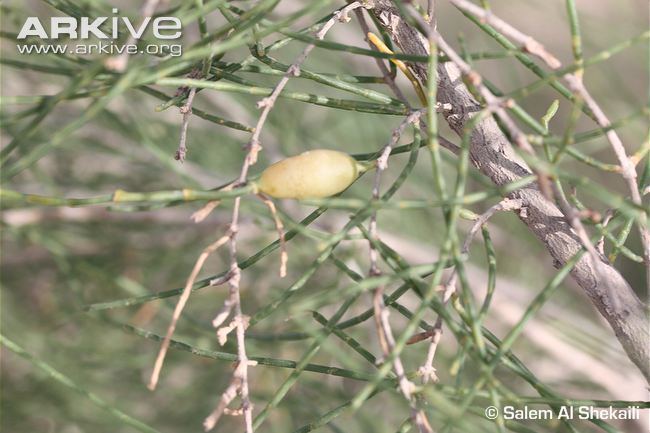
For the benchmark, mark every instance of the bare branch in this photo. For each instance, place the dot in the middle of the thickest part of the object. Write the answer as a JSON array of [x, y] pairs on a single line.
[[186, 111], [576, 85], [187, 290], [494, 104], [384, 330], [427, 371], [294, 71], [528, 43], [284, 257], [233, 304], [492, 154]]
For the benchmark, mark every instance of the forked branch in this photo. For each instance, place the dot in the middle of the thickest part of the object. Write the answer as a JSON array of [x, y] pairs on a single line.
[[492, 153]]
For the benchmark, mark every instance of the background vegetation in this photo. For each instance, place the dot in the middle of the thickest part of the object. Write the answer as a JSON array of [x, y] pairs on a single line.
[[73, 128]]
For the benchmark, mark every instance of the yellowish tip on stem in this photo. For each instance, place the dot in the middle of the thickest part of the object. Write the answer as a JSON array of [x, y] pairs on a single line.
[[381, 46]]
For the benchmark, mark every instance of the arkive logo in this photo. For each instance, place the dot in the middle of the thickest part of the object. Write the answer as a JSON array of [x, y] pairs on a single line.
[[83, 28]]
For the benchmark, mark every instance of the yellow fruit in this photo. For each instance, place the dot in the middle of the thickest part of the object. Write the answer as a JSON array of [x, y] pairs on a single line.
[[312, 174]]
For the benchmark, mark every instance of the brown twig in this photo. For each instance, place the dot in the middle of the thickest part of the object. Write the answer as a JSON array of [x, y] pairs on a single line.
[[573, 216], [226, 398], [576, 85], [203, 213], [186, 111], [626, 163], [239, 382], [492, 154], [187, 290], [427, 371], [384, 330], [284, 257], [600, 245], [494, 104], [528, 43], [294, 71], [239, 323]]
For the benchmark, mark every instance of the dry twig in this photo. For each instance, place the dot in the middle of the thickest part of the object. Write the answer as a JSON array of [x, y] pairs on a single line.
[[187, 290], [576, 85], [496, 105], [427, 371], [284, 257], [239, 384], [186, 111], [384, 330], [492, 154]]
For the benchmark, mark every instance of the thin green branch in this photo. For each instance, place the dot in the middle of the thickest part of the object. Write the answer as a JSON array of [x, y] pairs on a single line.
[[343, 104], [13, 198], [69, 383]]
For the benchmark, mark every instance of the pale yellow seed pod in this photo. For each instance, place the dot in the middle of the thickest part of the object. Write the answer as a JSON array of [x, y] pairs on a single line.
[[312, 174]]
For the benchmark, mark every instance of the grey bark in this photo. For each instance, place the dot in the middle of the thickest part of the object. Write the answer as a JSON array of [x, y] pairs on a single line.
[[493, 155]]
